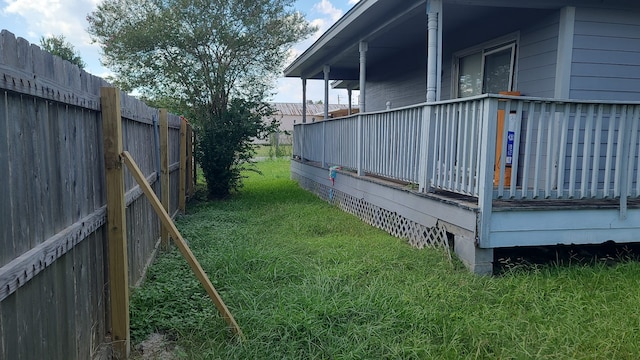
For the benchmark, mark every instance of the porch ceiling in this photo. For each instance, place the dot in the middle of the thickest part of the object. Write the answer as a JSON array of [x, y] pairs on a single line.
[[390, 28]]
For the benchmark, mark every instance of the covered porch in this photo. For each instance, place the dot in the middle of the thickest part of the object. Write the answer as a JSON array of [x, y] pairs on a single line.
[[450, 172]]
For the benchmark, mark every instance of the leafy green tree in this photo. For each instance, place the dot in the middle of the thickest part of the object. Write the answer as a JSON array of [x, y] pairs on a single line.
[[59, 46], [217, 58]]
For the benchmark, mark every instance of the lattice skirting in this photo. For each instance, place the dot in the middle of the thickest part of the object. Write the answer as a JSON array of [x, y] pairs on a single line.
[[417, 235]]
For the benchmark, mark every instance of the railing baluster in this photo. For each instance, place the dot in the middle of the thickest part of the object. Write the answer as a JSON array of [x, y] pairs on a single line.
[[577, 121], [562, 151], [437, 155], [538, 167], [586, 152], [464, 186], [503, 151], [418, 143], [623, 155], [550, 158], [635, 152], [607, 167], [621, 152], [389, 153], [478, 111], [596, 152], [448, 147], [402, 146], [515, 160], [453, 118], [527, 149], [456, 161]]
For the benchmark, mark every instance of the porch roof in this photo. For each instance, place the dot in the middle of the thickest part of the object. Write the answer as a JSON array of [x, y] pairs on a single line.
[[390, 28]]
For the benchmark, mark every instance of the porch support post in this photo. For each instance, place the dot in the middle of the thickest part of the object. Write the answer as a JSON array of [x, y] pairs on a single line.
[[304, 100], [363, 47], [326, 70], [565, 52], [349, 93], [486, 168], [434, 8], [426, 155]]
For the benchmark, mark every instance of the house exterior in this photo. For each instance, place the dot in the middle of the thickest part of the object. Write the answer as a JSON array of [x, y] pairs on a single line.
[[483, 123]]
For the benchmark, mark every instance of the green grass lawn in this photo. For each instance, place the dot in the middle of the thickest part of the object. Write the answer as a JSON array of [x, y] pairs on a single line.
[[305, 280]]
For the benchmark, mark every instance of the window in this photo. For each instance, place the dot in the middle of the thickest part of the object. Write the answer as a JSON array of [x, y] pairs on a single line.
[[486, 69]]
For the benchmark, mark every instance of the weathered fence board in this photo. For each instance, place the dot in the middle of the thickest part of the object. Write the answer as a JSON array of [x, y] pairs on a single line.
[[54, 271]]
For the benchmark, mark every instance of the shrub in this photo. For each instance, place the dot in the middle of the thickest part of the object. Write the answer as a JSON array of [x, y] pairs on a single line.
[[225, 148]]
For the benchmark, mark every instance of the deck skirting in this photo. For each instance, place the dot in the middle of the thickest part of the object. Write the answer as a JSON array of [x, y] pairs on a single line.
[[422, 220], [418, 235], [439, 220]]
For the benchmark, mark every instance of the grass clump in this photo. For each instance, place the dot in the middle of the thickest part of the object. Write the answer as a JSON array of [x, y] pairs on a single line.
[[306, 281]]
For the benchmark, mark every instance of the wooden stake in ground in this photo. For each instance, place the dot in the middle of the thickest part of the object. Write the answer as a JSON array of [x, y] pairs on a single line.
[[182, 245]]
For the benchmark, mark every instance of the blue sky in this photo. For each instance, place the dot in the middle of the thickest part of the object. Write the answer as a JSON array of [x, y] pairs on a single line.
[[31, 19]]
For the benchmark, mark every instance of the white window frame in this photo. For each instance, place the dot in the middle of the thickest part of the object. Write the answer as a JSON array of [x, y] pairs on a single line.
[[487, 48]]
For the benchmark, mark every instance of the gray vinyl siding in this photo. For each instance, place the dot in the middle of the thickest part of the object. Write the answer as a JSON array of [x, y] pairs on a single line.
[[400, 80], [537, 58], [606, 55]]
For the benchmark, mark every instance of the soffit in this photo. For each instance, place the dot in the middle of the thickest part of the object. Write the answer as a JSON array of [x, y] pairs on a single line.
[[392, 26]]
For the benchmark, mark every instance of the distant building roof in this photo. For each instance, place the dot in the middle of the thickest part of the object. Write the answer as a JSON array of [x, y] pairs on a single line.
[[295, 109]]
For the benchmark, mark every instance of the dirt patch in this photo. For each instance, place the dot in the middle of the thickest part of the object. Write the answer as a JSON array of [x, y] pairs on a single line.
[[158, 347]]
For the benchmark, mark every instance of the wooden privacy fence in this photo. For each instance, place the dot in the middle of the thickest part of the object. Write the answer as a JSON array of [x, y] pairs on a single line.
[[54, 266]]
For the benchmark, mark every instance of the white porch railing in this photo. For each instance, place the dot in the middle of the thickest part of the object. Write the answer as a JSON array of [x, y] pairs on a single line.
[[551, 149]]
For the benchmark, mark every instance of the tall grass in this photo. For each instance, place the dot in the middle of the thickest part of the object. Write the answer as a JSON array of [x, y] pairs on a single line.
[[307, 281]]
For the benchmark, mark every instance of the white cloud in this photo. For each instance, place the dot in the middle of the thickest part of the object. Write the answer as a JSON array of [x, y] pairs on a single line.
[[37, 18], [353, 2], [325, 7], [54, 17]]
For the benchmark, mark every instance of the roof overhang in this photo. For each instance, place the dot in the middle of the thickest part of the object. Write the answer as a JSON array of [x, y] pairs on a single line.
[[390, 27], [368, 20]]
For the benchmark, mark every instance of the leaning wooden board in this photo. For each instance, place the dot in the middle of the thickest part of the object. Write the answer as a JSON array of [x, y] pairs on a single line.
[[182, 245]]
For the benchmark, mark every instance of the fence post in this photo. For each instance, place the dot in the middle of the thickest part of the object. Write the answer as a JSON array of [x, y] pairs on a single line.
[[164, 171], [182, 195], [189, 170], [116, 221], [425, 163], [195, 166]]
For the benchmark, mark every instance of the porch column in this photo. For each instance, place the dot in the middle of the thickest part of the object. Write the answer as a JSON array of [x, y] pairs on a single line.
[[326, 70], [349, 91], [364, 46], [565, 52], [434, 8], [304, 100]]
